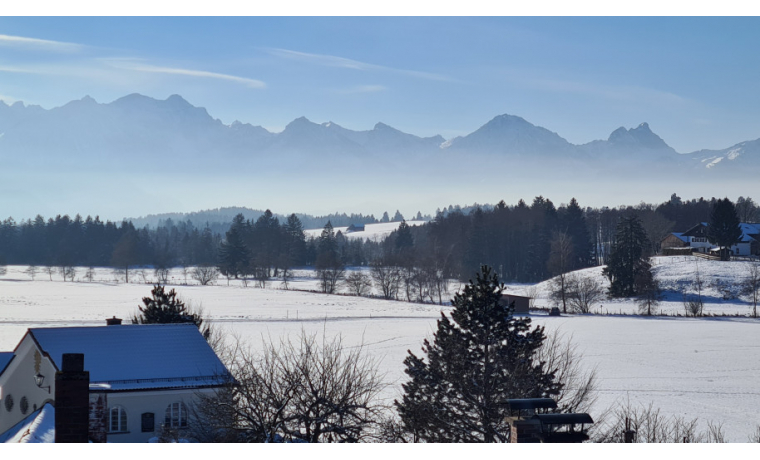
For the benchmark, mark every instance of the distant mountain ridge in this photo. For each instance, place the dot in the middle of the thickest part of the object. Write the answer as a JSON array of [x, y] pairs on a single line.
[[136, 130]]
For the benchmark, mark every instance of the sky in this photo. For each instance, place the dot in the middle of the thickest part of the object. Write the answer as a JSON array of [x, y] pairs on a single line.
[[694, 80]]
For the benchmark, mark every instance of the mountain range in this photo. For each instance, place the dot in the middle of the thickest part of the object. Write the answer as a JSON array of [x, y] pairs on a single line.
[[137, 128]]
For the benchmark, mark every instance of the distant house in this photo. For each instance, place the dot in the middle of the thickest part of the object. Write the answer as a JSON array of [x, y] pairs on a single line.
[[673, 240], [522, 303], [143, 378], [355, 228], [696, 238]]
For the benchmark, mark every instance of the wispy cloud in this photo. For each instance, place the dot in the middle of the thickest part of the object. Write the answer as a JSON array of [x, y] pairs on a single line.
[[362, 89], [619, 92], [337, 61], [140, 67], [50, 45], [529, 78], [18, 70]]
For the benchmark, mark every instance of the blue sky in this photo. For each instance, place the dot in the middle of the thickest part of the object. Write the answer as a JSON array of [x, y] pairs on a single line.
[[693, 79]]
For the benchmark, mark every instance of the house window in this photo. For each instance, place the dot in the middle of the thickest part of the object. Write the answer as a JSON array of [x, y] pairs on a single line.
[[176, 415], [117, 420]]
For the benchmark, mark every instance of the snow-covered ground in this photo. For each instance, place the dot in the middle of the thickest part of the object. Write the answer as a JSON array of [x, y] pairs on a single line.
[[691, 367], [374, 232], [721, 288]]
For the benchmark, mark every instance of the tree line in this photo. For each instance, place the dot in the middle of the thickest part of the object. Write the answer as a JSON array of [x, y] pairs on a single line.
[[523, 242]]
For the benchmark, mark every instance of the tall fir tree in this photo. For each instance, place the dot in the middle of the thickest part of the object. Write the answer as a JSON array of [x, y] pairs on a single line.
[[234, 254], [724, 230], [628, 259], [480, 357]]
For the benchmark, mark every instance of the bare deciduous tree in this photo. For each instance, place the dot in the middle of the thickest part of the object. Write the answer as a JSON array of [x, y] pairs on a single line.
[[751, 285], [559, 262], [560, 353], [583, 291], [162, 274], [358, 283], [329, 277], [649, 293], [647, 425], [205, 274], [50, 270], [31, 271], [387, 278], [308, 390], [287, 276], [68, 272], [89, 275], [693, 303]]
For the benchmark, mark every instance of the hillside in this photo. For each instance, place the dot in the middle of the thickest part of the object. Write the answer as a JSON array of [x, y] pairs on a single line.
[[720, 291]]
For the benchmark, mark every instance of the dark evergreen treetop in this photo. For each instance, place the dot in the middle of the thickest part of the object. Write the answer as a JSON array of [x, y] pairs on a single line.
[[234, 254], [404, 239], [165, 308], [479, 358], [629, 257], [724, 230]]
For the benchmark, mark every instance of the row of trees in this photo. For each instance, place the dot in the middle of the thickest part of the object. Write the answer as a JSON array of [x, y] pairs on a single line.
[[526, 243]]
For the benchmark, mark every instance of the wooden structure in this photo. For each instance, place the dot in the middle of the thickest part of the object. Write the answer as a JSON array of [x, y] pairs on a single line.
[[522, 303]]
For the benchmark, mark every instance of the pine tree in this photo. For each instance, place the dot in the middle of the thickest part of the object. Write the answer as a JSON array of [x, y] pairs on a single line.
[[479, 358], [574, 224], [724, 230], [628, 259], [165, 308], [234, 254]]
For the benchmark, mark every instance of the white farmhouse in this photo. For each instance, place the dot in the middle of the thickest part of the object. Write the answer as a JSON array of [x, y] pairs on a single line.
[[749, 244], [143, 378]]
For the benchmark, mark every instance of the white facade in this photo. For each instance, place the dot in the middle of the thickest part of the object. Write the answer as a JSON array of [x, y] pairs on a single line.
[[142, 377], [17, 383]]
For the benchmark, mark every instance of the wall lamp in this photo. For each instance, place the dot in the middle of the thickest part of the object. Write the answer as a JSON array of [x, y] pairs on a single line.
[[39, 379]]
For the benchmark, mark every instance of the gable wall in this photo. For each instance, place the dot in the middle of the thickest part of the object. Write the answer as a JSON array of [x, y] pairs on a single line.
[[18, 381]]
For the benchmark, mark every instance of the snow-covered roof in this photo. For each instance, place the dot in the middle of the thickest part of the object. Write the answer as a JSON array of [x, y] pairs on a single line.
[[39, 426], [134, 357], [747, 230], [680, 237], [5, 358]]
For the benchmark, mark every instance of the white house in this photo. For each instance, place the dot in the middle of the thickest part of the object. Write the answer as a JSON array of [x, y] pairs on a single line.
[[748, 245], [142, 377]]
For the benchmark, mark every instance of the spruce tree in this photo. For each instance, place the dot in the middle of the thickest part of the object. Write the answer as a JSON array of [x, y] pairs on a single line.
[[480, 357], [724, 230], [165, 308], [234, 254], [628, 259]]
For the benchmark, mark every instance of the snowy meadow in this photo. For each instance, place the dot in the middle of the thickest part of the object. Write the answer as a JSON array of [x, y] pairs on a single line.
[[690, 367]]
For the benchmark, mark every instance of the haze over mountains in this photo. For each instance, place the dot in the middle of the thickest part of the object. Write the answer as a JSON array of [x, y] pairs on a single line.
[[173, 129], [141, 138]]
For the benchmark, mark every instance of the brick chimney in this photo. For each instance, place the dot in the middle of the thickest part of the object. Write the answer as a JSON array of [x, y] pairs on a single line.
[[113, 321], [72, 400]]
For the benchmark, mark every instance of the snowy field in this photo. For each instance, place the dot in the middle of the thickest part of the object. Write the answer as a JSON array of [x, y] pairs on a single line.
[[373, 232], [703, 367]]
